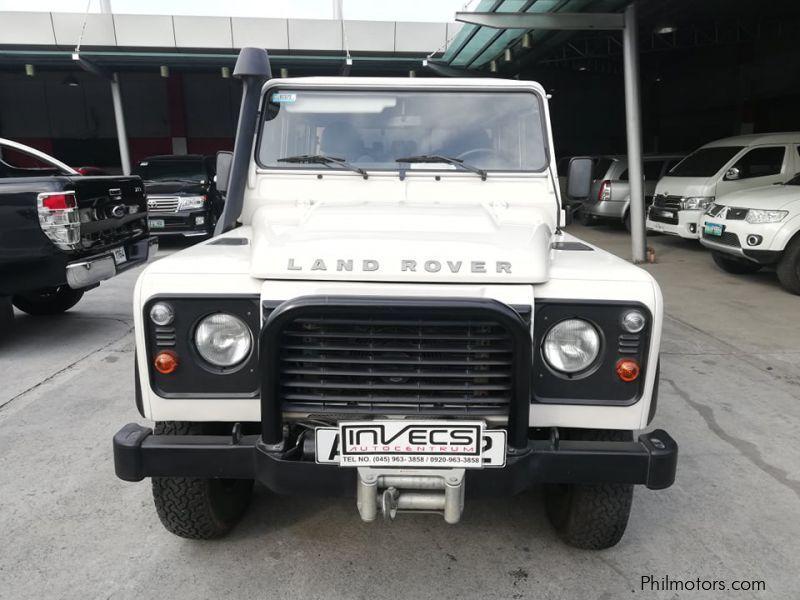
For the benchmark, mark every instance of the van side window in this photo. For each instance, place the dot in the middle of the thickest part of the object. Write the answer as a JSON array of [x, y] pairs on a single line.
[[760, 162]]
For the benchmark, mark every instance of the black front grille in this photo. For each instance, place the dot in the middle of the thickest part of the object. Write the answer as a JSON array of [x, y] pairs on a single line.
[[396, 365], [656, 215], [727, 238], [668, 202], [736, 214]]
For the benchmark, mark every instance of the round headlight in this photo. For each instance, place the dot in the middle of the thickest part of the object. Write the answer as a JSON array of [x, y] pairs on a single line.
[[633, 321], [223, 340], [161, 314], [571, 345]]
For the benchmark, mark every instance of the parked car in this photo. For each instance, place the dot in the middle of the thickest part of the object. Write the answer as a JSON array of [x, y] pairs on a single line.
[[182, 198], [346, 335], [62, 233], [610, 196], [750, 229], [721, 167]]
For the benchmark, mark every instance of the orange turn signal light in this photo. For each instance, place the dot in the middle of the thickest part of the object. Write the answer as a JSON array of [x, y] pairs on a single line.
[[628, 369], [166, 362]]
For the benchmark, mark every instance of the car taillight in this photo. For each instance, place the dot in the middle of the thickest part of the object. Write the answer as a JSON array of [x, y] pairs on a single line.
[[58, 201], [604, 193], [59, 219]]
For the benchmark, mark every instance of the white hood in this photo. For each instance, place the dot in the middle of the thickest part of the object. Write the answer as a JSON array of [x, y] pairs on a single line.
[[392, 239], [685, 186], [770, 197]]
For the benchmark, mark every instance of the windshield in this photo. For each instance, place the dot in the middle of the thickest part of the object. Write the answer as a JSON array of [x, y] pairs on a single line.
[[704, 162], [372, 129], [171, 170]]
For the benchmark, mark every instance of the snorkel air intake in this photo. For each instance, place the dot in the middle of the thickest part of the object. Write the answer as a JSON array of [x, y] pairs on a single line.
[[253, 68]]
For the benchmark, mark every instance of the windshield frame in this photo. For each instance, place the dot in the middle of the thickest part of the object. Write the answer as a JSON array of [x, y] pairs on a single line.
[[371, 86]]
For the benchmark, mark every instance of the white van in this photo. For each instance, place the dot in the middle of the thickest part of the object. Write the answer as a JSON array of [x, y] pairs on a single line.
[[721, 167]]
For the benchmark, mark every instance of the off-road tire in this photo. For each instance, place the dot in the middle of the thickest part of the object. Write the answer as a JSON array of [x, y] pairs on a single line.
[[733, 265], [591, 516], [48, 302], [789, 266], [198, 509]]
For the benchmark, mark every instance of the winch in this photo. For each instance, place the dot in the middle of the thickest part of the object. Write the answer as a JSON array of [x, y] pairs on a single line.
[[410, 490]]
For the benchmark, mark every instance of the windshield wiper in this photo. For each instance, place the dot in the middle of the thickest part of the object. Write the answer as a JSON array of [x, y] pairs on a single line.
[[324, 159], [438, 158]]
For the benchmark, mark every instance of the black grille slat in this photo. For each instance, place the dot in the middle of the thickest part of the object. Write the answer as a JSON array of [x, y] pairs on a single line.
[[390, 336], [668, 202], [400, 365], [330, 398], [727, 238], [420, 386], [427, 349], [467, 361], [400, 373]]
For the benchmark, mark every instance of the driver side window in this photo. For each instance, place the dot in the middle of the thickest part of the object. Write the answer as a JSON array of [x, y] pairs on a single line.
[[761, 162]]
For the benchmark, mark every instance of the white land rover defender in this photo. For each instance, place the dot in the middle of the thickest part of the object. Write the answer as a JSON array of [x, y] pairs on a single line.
[[391, 311]]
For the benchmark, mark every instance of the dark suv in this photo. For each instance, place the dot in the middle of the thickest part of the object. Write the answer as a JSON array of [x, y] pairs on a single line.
[[181, 196]]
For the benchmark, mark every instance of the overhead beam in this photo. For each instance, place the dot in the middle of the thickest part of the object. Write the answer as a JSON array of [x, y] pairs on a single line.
[[448, 71], [552, 21], [116, 99], [92, 68]]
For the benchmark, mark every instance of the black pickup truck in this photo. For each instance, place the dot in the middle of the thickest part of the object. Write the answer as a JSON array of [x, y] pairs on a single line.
[[182, 196], [62, 233]]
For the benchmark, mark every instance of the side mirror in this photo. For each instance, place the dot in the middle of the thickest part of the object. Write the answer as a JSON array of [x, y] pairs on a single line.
[[733, 174], [224, 161], [579, 177]]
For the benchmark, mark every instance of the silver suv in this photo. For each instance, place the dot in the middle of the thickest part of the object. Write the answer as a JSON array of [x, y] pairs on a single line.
[[609, 198]]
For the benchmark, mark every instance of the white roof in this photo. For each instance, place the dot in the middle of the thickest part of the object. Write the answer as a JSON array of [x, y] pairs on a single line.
[[757, 139], [476, 83]]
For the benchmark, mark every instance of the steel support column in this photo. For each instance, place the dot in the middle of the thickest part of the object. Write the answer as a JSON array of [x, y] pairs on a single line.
[[119, 117], [596, 21], [633, 130]]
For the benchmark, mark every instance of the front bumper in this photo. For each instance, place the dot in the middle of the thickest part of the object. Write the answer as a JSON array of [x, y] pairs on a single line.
[[735, 240], [684, 223], [607, 209], [183, 223], [91, 271], [650, 461]]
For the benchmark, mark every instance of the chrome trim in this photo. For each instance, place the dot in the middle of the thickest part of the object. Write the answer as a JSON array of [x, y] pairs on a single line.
[[162, 204], [88, 272], [735, 250]]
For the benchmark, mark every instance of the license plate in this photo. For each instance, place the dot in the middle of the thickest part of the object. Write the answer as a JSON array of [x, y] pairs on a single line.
[[665, 213], [411, 444], [713, 229], [156, 223], [119, 255]]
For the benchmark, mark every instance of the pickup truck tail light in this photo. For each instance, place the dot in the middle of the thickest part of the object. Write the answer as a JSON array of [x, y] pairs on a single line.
[[59, 219], [604, 193]]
